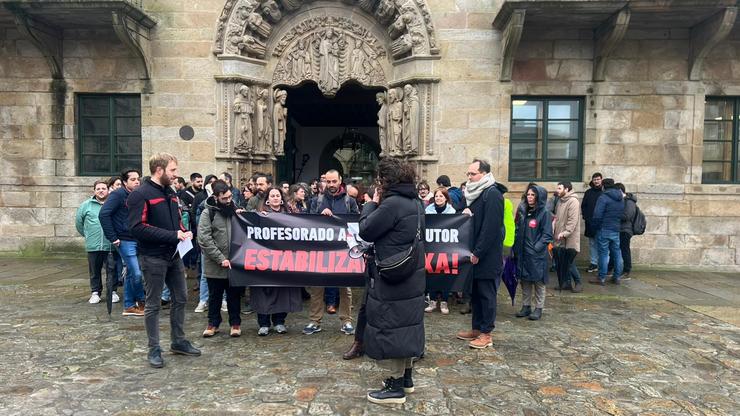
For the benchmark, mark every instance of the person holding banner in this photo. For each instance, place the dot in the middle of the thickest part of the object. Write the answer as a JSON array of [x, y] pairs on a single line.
[[441, 204], [272, 304], [214, 237], [486, 205], [394, 301]]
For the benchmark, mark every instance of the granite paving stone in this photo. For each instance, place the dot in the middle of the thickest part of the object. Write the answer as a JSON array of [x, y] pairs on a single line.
[[609, 351]]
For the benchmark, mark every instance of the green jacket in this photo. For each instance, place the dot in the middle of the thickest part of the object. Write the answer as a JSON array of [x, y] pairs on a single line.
[[214, 238], [88, 225], [509, 225]]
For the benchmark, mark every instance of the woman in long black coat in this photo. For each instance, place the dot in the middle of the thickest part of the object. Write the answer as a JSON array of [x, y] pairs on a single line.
[[395, 310], [533, 234]]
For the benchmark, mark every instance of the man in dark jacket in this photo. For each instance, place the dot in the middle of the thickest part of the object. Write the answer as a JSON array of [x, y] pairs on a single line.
[[607, 223], [114, 219], [262, 182], [187, 195], [486, 205], [456, 195], [395, 310], [625, 230], [154, 221], [333, 201], [587, 211]]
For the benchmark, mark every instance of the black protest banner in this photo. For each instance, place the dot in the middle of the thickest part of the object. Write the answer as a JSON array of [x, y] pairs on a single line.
[[313, 250]]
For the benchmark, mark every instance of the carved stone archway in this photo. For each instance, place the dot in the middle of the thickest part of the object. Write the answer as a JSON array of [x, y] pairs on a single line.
[[264, 45]]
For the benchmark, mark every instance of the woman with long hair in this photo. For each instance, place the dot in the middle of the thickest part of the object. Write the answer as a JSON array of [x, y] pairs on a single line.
[[272, 304], [441, 204], [297, 199], [394, 302]]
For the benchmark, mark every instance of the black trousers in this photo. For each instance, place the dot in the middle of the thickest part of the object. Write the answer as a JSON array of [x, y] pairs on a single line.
[[275, 318], [483, 304], [624, 247], [96, 260], [361, 320], [216, 289], [565, 258]]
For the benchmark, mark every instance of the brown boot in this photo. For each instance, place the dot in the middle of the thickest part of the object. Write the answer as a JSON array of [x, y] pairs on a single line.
[[355, 351], [483, 341], [468, 335]]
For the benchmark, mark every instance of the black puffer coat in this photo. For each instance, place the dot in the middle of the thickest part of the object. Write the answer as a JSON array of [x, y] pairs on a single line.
[[533, 234], [395, 312], [488, 234]]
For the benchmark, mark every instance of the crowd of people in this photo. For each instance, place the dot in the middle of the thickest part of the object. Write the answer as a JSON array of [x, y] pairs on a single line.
[[132, 226]]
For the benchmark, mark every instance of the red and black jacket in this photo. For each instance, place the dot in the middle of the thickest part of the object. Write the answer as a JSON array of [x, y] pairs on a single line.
[[154, 219]]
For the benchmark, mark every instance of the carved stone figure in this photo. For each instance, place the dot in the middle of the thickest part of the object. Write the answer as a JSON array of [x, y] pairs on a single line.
[[401, 46], [329, 61], [367, 5], [243, 120], [395, 120], [279, 118], [256, 23], [358, 69], [264, 124], [417, 39], [272, 11], [299, 64], [385, 11], [410, 120], [248, 45], [290, 5], [398, 27], [382, 123]]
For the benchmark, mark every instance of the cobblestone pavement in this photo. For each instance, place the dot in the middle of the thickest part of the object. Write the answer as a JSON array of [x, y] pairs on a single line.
[[666, 343]]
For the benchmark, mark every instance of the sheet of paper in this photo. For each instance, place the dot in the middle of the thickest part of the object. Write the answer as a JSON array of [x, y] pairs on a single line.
[[184, 246]]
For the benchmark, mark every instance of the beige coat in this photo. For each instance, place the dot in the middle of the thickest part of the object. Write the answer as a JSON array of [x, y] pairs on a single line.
[[568, 222]]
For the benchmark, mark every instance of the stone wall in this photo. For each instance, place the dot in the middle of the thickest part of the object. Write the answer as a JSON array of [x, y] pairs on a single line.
[[643, 125]]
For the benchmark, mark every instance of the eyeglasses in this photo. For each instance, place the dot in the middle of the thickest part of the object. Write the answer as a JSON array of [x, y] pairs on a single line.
[[472, 173]]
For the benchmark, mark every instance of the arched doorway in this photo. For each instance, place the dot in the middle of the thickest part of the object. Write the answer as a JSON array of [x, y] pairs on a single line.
[[330, 133]]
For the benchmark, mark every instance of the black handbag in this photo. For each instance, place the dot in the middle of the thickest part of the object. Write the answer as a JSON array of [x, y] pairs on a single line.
[[402, 265]]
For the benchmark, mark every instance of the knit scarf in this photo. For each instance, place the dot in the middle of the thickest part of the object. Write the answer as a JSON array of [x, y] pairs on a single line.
[[474, 189]]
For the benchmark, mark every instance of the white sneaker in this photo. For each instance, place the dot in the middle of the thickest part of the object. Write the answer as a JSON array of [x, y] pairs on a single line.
[[202, 306], [432, 306], [115, 298], [224, 308], [444, 308], [94, 298]]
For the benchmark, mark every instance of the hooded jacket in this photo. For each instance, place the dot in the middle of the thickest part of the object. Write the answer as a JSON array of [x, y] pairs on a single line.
[[431, 210], [395, 312], [628, 216], [587, 208], [214, 238], [338, 203], [568, 222], [87, 222], [608, 211], [533, 234], [114, 216]]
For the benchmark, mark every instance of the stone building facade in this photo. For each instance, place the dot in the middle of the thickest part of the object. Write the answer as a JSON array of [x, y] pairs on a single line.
[[642, 91]]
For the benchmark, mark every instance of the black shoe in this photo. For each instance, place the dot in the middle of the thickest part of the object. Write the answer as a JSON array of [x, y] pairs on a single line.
[[596, 281], [165, 304], [185, 348], [536, 315], [155, 357], [578, 288], [592, 268], [408, 382], [526, 311], [466, 309], [392, 392]]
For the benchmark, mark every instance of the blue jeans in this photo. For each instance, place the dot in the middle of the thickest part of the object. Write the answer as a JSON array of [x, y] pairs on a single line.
[[331, 296], [203, 282], [593, 249], [609, 247], [133, 287]]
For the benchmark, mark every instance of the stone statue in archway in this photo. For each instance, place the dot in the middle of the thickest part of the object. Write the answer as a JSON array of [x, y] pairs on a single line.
[[280, 118], [264, 122], [410, 120], [243, 120], [395, 120], [382, 123], [329, 60]]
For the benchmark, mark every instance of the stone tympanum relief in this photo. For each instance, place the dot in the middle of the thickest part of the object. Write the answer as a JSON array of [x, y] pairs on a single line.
[[252, 120], [329, 51], [245, 26]]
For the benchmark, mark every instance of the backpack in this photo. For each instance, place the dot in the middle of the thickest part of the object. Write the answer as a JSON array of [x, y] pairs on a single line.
[[639, 222]]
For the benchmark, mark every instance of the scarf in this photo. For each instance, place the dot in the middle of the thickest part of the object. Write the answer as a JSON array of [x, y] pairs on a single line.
[[474, 189], [440, 209], [226, 210]]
